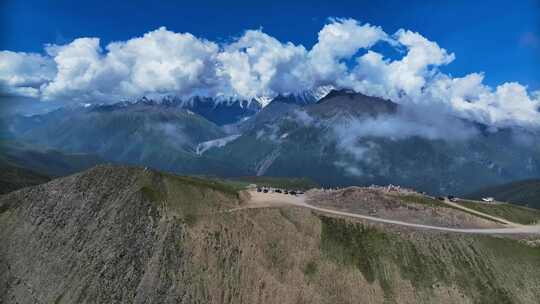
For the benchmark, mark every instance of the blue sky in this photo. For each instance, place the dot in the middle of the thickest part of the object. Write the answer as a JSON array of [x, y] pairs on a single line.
[[500, 38]]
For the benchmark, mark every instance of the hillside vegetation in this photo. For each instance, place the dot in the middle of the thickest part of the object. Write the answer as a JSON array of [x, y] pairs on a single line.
[[526, 193], [13, 178], [280, 182], [513, 213], [44, 161], [130, 235]]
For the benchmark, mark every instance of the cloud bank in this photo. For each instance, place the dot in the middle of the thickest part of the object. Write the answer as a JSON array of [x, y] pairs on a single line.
[[162, 62]]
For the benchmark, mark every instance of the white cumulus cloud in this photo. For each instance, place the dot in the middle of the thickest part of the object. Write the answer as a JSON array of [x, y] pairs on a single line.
[[255, 65], [340, 40], [159, 62], [258, 64], [24, 73], [409, 75]]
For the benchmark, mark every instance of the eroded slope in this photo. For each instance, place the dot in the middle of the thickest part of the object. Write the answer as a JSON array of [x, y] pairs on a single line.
[[128, 235]]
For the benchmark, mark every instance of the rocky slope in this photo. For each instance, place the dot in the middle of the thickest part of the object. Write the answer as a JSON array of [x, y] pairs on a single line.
[[131, 235]]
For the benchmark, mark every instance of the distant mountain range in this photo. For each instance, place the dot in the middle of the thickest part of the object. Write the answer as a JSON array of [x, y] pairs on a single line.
[[13, 178], [42, 161], [335, 137], [224, 110]]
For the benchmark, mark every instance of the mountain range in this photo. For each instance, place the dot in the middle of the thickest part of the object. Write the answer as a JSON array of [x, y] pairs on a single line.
[[335, 137]]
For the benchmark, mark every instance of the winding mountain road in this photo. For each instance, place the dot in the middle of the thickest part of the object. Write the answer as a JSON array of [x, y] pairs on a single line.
[[266, 200]]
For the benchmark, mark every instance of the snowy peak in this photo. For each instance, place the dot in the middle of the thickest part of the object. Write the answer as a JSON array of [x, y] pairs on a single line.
[[304, 97], [320, 92], [299, 97], [263, 101], [221, 109]]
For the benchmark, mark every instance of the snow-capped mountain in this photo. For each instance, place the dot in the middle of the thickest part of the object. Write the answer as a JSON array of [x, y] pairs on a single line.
[[303, 97], [343, 138], [222, 110], [257, 102], [315, 94]]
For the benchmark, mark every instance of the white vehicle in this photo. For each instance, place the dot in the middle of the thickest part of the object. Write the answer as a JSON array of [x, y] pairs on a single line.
[[488, 199]]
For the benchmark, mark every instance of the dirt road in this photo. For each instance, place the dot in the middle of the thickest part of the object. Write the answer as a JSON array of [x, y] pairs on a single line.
[[265, 200], [469, 210]]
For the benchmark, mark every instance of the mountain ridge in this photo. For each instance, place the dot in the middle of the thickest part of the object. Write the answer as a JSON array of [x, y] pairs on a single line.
[[346, 138], [133, 235]]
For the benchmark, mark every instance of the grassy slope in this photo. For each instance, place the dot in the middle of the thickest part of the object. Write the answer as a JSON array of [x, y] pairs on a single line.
[[13, 178], [295, 256], [43, 160], [416, 199], [177, 247], [474, 264], [513, 213], [188, 197], [280, 182], [525, 193]]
